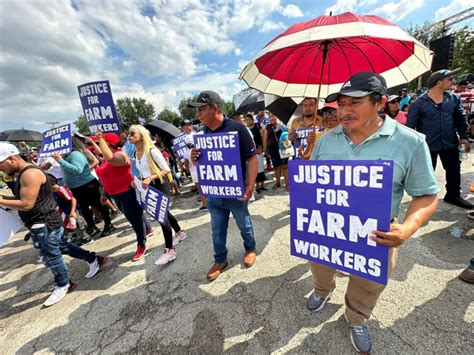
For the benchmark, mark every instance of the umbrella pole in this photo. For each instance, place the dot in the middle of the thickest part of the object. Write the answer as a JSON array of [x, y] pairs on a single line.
[[309, 148]]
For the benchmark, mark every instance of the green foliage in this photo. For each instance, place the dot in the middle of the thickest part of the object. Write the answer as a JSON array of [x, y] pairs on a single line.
[[81, 125], [130, 109], [228, 107], [170, 116], [463, 46], [187, 113], [464, 50]]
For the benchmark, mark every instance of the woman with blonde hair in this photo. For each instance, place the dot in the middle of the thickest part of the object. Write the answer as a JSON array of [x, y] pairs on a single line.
[[153, 172]]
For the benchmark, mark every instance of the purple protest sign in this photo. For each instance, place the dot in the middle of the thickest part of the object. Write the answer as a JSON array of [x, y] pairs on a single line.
[[99, 108], [219, 167], [179, 146], [157, 205], [335, 204], [302, 133], [56, 140]]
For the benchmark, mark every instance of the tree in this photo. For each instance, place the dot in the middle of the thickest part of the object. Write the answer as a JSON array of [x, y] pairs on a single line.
[[130, 109], [170, 116], [463, 45], [464, 50], [187, 113], [228, 107], [81, 125]]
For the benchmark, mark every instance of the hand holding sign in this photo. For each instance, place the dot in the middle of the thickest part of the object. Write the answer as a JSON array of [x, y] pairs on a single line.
[[397, 236], [311, 137], [57, 156], [195, 153], [146, 182]]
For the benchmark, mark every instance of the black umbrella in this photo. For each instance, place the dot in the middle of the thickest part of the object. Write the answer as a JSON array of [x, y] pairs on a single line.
[[252, 103], [282, 107], [3, 136], [18, 135], [164, 129], [467, 77]]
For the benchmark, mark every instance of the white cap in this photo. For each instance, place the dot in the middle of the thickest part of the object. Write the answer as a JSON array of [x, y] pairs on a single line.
[[7, 150]]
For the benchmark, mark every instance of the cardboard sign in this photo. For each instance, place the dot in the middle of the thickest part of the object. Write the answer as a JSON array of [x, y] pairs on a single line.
[[58, 139], [335, 205], [180, 147], [219, 167], [99, 108], [153, 201], [157, 205], [139, 191], [10, 225], [302, 133]]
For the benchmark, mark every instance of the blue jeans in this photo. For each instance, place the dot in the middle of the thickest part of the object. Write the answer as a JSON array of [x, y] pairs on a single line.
[[128, 204], [48, 243], [220, 209]]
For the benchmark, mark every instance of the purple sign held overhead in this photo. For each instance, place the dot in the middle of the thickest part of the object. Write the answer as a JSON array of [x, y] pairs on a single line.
[[99, 108], [335, 205], [218, 167], [179, 146], [56, 140]]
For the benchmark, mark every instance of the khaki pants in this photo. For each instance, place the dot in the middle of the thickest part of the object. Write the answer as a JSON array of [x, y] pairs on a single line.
[[361, 295]]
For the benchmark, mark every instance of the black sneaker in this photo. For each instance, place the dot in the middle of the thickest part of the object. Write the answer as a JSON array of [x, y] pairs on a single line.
[[458, 201], [108, 230], [92, 231]]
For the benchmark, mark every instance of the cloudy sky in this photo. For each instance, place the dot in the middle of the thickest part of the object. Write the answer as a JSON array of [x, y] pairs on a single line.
[[161, 50]]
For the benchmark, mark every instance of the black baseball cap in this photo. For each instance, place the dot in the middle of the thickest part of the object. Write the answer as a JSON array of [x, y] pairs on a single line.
[[360, 85], [185, 123], [207, 97], [440, 75]]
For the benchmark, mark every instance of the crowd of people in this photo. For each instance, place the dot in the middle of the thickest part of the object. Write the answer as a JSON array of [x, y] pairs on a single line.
[[100, 175]]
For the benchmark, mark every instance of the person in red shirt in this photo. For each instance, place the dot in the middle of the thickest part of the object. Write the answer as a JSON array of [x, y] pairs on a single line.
[[116, 180]]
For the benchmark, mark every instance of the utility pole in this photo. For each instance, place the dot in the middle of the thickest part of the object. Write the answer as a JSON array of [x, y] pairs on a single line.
[[53, 124]]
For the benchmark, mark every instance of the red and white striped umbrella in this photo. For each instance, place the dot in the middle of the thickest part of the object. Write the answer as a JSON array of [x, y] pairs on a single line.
[[314, 58]]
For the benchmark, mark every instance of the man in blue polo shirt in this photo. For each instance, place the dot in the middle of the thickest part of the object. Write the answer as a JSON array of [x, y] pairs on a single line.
[[364, 135], [209, 110]]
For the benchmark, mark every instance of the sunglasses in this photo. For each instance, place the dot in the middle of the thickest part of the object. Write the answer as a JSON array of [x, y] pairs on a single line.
[[131, 133]]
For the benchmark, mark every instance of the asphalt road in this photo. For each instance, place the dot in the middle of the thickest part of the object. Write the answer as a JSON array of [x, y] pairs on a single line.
[[138, 307]]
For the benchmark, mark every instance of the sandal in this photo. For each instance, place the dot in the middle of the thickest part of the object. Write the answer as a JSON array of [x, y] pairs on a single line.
[[276, 186]]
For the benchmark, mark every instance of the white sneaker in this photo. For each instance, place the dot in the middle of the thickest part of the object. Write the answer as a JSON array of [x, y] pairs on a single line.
[[57, 295], [96, 266], [179, 237], [166, 257], [93, 269]]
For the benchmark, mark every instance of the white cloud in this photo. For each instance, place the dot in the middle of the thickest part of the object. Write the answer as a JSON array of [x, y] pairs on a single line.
[[454, 7], [291, 11], [269, 26], [47, 50], [396, 11], [342, 6], [355, 6]]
